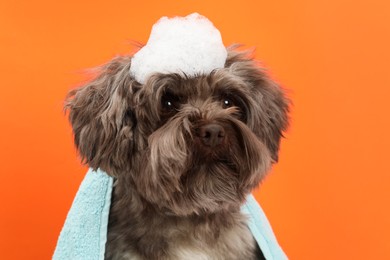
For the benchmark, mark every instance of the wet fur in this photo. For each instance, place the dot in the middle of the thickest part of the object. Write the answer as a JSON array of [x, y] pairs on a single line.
[[175, 198]]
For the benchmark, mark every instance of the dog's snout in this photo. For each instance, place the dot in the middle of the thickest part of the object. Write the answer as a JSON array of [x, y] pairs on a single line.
[[211, 134]]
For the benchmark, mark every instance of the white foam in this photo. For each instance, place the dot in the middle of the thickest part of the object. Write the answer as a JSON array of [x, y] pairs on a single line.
[[188, 45]]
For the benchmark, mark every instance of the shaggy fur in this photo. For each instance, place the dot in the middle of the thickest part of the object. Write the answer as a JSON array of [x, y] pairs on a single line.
[[184, 152]]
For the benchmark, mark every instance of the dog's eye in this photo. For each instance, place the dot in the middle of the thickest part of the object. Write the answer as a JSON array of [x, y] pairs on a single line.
[[227, 102], [170, 102], [230, 100]]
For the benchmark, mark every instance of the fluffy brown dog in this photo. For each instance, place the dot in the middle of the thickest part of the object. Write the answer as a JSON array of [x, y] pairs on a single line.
[[184, 152]]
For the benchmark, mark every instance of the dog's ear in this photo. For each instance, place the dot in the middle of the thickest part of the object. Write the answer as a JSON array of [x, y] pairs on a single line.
[[101, 116], [269, 105]]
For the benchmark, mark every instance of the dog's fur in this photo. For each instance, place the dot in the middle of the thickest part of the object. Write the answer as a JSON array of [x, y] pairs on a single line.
[[177, 194]]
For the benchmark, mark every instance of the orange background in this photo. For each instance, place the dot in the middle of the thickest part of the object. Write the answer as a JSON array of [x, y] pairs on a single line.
[[328, 198]]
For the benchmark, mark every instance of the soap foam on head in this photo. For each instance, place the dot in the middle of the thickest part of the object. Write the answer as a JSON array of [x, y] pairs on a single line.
[[188, 45]]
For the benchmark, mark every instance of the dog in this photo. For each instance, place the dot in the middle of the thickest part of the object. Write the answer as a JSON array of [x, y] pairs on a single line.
[[184, 151]]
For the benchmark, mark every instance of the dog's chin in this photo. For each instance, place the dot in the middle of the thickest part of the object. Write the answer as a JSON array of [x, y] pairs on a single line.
[[207, 188], [193, 179]]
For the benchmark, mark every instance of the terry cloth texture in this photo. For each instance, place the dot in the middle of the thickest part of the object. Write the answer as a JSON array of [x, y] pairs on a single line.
[[84, 234]]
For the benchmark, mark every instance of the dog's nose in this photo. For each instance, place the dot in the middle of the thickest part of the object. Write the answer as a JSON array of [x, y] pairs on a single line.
[[212, 134]]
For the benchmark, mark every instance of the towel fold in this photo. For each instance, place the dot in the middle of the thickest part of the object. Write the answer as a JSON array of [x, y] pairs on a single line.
[[84, 233]]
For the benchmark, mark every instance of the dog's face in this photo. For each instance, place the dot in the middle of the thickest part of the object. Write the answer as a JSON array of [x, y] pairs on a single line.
[[188, 145]]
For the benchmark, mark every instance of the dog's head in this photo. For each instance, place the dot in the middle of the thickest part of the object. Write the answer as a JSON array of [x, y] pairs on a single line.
[[185, 144]]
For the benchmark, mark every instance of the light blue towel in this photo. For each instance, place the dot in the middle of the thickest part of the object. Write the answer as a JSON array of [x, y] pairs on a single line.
[[84, 234]]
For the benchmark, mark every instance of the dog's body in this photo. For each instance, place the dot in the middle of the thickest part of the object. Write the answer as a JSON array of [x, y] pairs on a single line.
[[185, 152], [143, 232]]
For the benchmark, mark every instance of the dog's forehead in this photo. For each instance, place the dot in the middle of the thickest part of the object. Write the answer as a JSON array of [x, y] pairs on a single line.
[[200, 86]]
